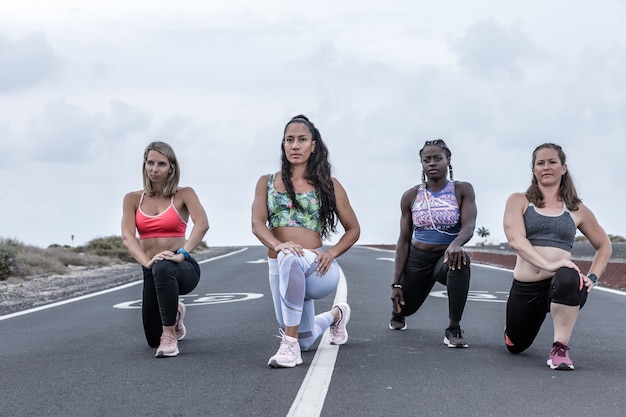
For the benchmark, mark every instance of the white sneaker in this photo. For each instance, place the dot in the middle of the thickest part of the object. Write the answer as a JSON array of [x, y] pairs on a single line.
[[168, 346], [288, 355], [338, 333]]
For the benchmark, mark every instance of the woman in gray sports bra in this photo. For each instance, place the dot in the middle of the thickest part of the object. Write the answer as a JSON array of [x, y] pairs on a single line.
[[540, 226]]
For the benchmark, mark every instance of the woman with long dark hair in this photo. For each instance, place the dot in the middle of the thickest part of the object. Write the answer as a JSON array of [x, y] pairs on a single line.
[[293, 211]]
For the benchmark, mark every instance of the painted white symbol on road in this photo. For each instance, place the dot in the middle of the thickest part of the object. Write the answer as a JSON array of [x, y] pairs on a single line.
[[196, 300], [258, 261], [493, 297]]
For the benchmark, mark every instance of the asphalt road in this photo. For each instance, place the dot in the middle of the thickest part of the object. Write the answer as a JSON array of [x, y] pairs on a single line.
[[88, 357]]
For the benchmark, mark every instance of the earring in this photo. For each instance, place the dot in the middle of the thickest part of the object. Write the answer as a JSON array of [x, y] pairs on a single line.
[[451, 173]]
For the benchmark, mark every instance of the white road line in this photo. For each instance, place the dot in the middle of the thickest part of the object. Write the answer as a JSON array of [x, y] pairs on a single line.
[[95, 294], [310, 399], [599, 288]]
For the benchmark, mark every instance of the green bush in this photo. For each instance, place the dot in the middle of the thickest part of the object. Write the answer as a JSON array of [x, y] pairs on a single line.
[[110, 246], [7, 261]]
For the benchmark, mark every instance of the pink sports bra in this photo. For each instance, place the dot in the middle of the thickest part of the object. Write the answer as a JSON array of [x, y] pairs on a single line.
[[166, 224]]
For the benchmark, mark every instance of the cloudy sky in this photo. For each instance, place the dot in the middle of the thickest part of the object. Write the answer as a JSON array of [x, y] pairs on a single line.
[[84, 86]]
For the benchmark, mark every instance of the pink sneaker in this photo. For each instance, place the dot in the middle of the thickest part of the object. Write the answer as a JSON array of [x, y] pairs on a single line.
[[559, 357], [179, 327], [338, 333], [288, 355], [168, 346]]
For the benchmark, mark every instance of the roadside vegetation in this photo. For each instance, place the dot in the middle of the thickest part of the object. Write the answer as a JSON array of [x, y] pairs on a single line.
[[613, 238], [20, 260]]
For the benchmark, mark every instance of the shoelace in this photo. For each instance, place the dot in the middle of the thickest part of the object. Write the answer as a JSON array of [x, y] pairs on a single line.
[[559, 350], [458, 333], [285, 345]]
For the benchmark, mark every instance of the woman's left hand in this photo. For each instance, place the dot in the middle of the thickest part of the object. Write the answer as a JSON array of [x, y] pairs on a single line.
[[587, 282], [325, 260]]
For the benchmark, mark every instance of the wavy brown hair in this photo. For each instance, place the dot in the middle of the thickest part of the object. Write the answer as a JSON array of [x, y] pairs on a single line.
[[318, 173], [567, 190]]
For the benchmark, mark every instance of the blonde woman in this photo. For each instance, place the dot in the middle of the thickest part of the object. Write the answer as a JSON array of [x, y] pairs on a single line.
[[158, 214]]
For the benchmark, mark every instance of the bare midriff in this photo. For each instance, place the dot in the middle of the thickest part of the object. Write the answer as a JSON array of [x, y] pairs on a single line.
[[152, 246], [428, 247], [306, 238], [527, 272]]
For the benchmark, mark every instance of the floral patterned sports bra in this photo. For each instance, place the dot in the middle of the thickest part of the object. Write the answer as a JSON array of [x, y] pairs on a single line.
[[282, 212]]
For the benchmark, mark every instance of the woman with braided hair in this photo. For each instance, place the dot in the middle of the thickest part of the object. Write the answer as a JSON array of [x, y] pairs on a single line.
[[438, 218], [292, 212]]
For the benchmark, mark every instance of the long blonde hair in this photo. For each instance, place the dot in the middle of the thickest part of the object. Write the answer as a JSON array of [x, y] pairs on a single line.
[[171, 184]]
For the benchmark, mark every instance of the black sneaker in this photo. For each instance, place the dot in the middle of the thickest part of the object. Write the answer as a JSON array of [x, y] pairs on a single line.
[[454, 338], [397, 322]]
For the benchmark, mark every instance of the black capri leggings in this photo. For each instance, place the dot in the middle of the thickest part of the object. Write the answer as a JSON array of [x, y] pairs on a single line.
[[529, 303], [161, 287], [423, 269]]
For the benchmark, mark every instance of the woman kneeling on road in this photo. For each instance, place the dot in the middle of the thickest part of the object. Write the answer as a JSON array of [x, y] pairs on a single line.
[[540, 226], [293, 210], [438, 218], [159, 214]]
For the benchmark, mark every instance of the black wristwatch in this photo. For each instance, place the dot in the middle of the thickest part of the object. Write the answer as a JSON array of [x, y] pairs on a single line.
[[594, 278]]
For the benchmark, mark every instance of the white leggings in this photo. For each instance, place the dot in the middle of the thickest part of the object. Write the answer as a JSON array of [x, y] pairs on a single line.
[[295, 284]]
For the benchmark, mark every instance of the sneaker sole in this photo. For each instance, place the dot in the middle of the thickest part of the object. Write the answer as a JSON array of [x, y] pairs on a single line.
[[450, 345], [182, 317], [161, 354], [346, 319], [393, 328], [560, 367], [273, 363]]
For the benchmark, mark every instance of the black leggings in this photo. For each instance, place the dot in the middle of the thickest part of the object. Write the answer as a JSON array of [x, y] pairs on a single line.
[[529, 303], [161, 287], [423, 269]]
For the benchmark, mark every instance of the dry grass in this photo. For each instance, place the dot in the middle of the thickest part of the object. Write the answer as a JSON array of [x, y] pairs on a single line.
[[18, 260]]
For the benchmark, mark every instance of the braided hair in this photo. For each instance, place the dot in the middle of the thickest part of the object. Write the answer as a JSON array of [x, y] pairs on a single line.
[[440, 143], [318, 173]]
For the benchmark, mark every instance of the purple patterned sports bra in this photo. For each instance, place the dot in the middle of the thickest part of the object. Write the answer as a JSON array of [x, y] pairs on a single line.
[[436, 215]]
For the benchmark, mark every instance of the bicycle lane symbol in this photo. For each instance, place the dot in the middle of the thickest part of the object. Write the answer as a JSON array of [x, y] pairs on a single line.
[[198, 300], [492, 297]]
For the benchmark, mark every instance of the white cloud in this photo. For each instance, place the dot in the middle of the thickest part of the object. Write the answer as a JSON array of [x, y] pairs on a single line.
[[219, 81], [26, 62]]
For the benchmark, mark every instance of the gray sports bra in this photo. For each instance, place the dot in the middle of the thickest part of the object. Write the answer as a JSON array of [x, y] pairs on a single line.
[[553, 231]]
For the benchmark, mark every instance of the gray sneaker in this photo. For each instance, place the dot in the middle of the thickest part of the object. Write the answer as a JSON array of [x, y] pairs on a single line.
[[453, 338]]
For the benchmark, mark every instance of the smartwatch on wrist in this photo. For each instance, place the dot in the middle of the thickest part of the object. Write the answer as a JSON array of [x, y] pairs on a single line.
[[184, 252], [594, 278]]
